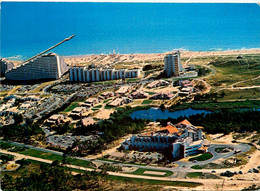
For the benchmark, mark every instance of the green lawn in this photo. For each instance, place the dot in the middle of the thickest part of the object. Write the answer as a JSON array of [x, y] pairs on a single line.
[[120, 162], [194, 174], [203, 157], [98, 106], [155, 182], [71, 107], [218, 150], [108, 107], [140, 171], [52, 157], [107, 100], [147, 101], [150, 93], [132, 79], [196, 167], [41, 154]]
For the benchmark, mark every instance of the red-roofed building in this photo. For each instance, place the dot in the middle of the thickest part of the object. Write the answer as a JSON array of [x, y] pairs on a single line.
[[183, 139], [169, 129]]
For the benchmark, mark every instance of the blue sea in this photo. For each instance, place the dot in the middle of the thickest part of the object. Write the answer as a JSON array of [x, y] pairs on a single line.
[[28, 28]]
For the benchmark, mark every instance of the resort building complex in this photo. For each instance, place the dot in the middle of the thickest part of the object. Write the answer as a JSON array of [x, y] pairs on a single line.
[[172, 65], [83, 74], [183, 139], [50, 66]]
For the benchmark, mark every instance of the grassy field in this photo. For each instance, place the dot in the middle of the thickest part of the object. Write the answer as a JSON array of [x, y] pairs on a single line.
[[132, 79], [107, 100], [140, 171], [203, 157], [219, 105], [150, 93], [241, 94], [71, 107], [194, 174], [52, 157], [147, 102], [98, 106], [37, 90], [196, 167], [120, 162], [230, 70], [155, 182]]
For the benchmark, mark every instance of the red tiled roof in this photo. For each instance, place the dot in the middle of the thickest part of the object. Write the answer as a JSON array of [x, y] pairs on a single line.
[[185, 122], [170, 128]]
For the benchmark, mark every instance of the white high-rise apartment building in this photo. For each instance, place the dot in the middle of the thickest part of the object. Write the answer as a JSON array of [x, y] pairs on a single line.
[[172, 64]]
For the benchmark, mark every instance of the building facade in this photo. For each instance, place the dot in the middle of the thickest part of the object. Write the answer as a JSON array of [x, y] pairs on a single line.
[[182, 139], [5, 65], [83, 74], [172, 64], [50, 66]]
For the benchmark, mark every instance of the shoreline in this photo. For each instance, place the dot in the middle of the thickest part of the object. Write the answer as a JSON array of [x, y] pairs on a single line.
[[134, 60], [181, 50], [144, 57]]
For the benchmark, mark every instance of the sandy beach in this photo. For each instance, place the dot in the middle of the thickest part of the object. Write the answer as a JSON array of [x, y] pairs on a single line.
[[134, 60], [111, 59]]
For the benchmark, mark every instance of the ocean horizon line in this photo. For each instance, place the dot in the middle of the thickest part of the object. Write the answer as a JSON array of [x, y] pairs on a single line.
[[21, 58]]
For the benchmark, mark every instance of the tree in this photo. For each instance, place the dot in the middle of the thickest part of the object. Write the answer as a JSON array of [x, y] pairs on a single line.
[[162, 107], [18, 118]]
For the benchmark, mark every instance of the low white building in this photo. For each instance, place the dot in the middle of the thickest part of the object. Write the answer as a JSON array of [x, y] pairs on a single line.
[[120, 101], [158, 83], [123, 90], [78, 111], [56, 119]]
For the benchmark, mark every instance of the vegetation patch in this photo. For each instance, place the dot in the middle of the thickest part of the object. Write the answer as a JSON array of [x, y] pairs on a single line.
[[214, 105], [196, 167], [140, 171], [238, 121], [155, 182], [194, 174], [236, 94], [147, 102], [71, 107], [98, 106], [230, 69], [202, 157], [150, 93]]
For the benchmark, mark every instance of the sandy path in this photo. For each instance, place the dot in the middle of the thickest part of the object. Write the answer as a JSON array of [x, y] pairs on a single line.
[[104, 113]]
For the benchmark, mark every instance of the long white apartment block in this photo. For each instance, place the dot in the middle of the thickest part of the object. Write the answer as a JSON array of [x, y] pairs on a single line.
[[83, 74]]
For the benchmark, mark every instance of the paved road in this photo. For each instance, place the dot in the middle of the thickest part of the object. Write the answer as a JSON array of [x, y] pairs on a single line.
[[216, 156], [177, 176]]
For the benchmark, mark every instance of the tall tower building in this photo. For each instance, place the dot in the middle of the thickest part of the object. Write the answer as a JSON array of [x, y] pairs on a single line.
[[172, 64]]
